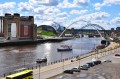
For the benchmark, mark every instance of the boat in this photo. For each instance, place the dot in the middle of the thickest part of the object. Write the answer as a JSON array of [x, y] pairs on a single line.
[[65, 48], [41, 60]]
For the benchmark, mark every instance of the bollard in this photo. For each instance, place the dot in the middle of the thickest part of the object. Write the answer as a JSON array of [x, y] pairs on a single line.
[[10, 73], [4, 75], [36, 67]]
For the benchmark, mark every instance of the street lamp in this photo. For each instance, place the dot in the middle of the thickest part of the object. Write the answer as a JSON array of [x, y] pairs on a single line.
[[24, 63], [79, 61], [62, 61], [39, 71]]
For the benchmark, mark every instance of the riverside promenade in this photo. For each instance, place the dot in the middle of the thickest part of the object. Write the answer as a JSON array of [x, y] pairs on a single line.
[[57, 68]]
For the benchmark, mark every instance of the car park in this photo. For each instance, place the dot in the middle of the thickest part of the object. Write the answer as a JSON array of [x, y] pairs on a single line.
[[75, 69], [68, 71]]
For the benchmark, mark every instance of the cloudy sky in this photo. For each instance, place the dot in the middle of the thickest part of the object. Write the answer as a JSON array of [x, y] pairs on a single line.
[[103, 12]]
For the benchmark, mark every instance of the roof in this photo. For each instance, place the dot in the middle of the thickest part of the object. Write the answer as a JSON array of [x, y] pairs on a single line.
[[20, 73]]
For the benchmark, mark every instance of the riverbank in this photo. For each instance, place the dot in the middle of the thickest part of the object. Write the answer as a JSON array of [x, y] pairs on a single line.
[[26, 42]]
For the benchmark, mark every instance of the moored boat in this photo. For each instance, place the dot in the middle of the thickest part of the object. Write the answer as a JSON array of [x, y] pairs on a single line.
[[68, 49], [41, 60], [65, 48]]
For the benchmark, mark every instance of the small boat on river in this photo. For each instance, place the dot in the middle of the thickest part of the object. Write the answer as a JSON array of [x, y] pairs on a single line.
[[65, 48], [41, 60]]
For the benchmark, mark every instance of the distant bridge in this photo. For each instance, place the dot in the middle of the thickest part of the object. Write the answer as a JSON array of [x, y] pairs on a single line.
[[100, 30], [96, 26]]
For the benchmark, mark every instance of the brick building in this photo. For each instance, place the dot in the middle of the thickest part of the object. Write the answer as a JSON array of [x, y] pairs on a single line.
[[16, 27]]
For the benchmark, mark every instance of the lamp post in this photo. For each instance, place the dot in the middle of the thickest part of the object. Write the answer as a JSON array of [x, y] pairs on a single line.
[[24, 63], [62, 61], [39, 71], [79, 61]]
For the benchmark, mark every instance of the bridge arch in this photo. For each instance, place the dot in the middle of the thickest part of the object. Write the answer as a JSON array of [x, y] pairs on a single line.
[[94, 25]]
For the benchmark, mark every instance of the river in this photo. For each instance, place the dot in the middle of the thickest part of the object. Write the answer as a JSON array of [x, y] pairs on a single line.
[[14, 57]]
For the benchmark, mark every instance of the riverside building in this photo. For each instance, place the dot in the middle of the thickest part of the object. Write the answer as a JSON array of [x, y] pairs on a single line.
[[16, 27]]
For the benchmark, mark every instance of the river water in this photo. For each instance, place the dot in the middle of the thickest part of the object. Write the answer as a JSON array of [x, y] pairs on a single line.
[[14, 57]]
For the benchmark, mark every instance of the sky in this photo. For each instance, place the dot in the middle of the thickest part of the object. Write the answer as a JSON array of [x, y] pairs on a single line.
[[105, 13]]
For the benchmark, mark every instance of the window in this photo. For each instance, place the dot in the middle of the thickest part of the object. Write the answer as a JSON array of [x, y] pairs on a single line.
[[25, 30]]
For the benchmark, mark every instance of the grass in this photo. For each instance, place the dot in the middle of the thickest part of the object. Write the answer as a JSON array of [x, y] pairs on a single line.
[[46, 33]]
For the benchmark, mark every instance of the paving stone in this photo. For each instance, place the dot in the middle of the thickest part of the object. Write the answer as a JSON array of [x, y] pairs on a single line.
[[81, 75]]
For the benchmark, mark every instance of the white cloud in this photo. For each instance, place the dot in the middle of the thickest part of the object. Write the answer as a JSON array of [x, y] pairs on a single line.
[[46, 14], [52, 10], [75, 3], [97, 6], [116, 21], [66, 4], [94, 16], [39, 10], [81, 2], [61, 20], [44, 2], [60, 17], [7, 7], [25, 7], [109, 2], [97, 17], [78, 12], [64, 14], [106, 3]]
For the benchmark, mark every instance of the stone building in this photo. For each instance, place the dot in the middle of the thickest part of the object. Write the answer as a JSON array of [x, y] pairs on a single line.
[[16, 27]]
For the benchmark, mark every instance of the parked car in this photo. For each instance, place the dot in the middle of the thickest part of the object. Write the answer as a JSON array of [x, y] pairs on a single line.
[[68, 71], [97, 62], [117, 54], [84, 67], [75, 69], [91, 64], [108, 60]]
